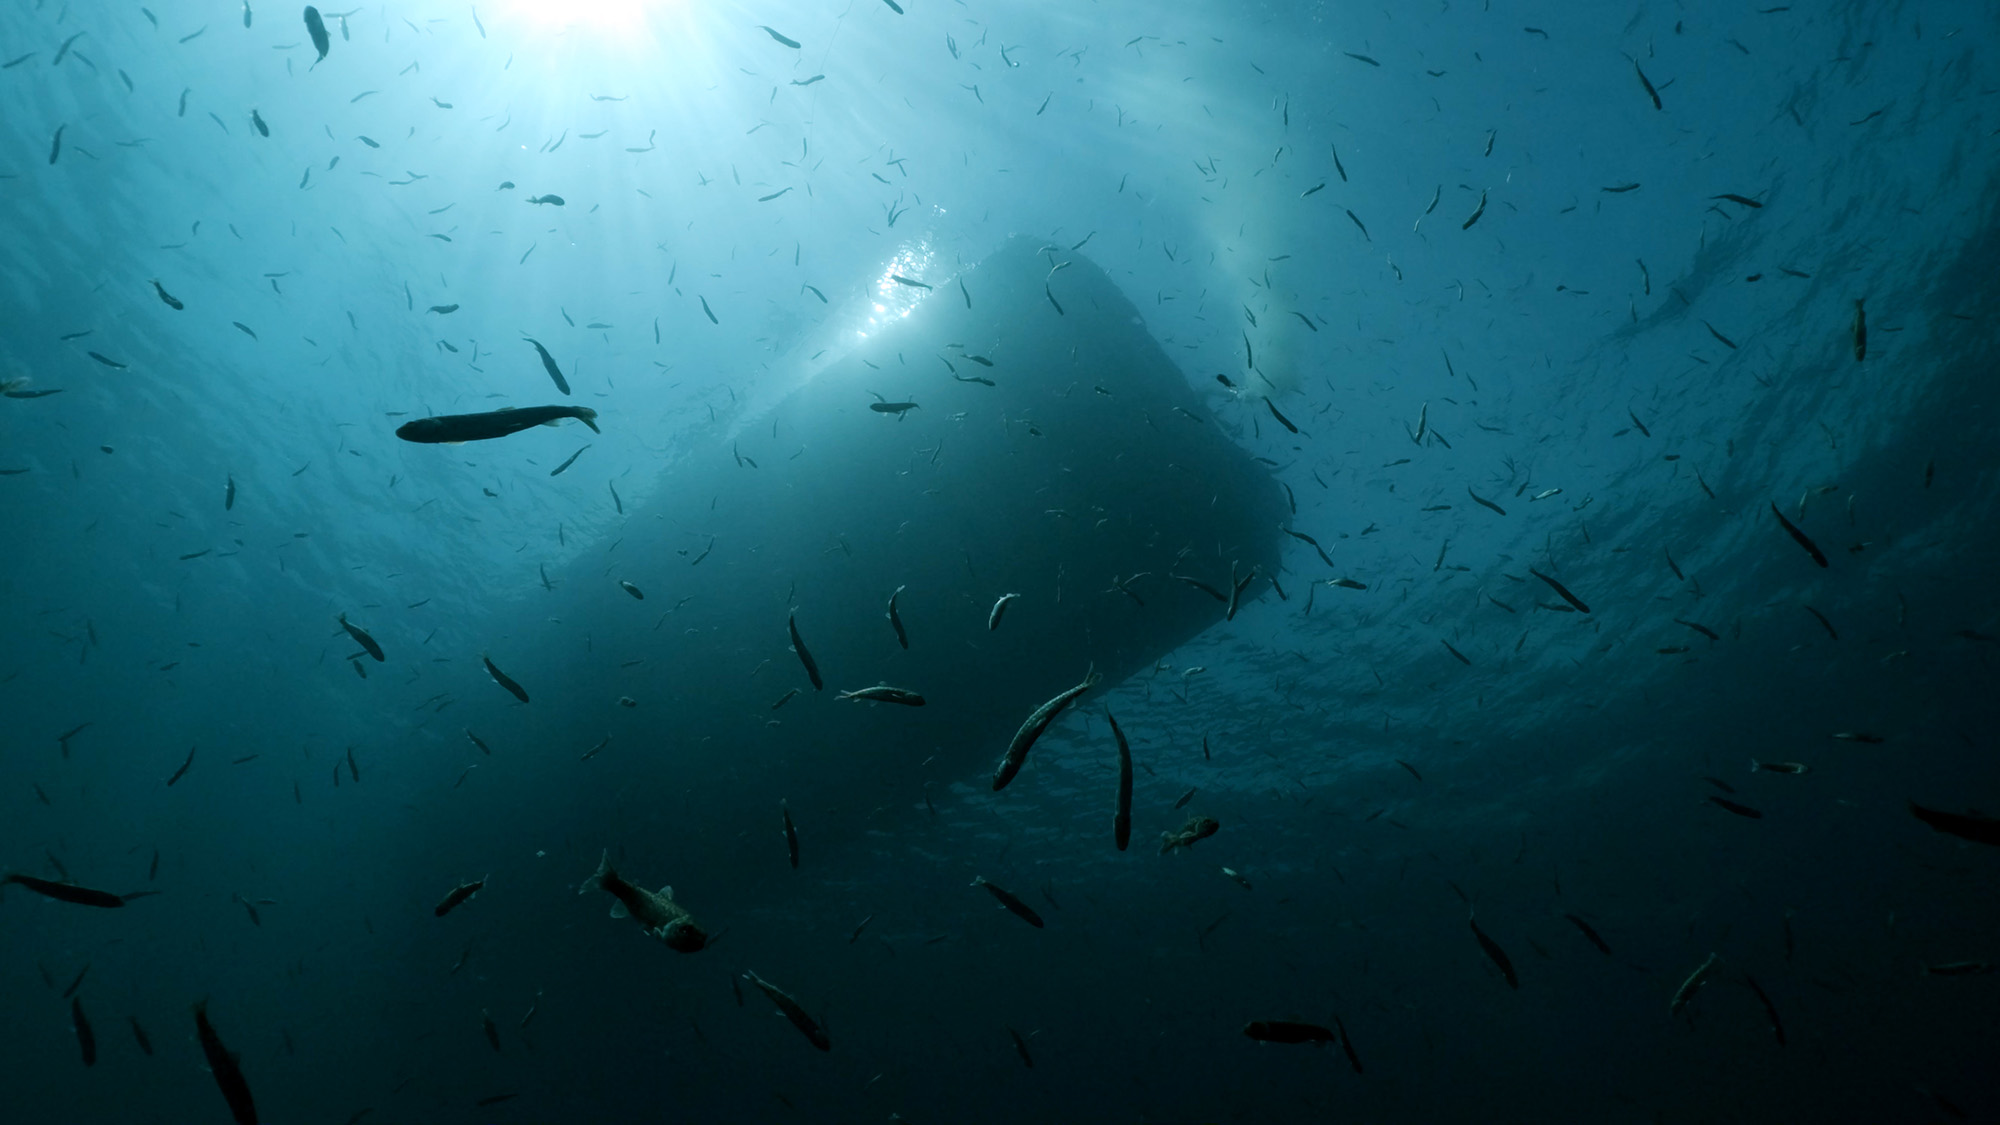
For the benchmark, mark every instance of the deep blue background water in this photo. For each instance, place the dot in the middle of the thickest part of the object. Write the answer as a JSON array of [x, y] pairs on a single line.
[[1564, 770]]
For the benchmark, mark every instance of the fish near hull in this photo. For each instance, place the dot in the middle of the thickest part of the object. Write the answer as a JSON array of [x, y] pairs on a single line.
[[823, 535]]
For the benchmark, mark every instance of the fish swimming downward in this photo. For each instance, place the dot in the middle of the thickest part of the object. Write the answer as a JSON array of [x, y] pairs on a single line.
[[792, 1009], [656, 911], [225, 1066], [1038, 721]]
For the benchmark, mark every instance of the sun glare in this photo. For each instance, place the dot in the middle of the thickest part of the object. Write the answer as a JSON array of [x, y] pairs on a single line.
[[900, 288], [597, 15]]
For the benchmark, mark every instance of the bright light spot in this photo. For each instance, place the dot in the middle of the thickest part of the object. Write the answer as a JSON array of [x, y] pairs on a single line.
[[893, 299], [599, 15]]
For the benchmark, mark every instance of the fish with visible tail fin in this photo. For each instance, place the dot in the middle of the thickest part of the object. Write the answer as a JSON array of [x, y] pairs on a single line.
[[316, 28], [1121, 821], [504, 680], [1196, 828], [656, 911], [792, 1009], [1651, 92], [458, 895], [805, 657], [445, 429], [362, 638], [1010, 901], [64, 892], [549, 365], [1966, 826], [896, 620], [1559, 588], [1038, 721], [1800, 537], [223, 1064], [1693, 984], [791, 833]]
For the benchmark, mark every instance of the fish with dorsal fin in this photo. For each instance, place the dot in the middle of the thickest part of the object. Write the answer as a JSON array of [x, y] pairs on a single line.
[[1010, 901], [65, 892], [1965, 826], [792, 1009], [223, 1064], [1559, 588], [458, 895], [1037, 722], [805, 657], [896, 620], [884, 693], [656, 911], [1800, 537], [362, 638], [1121, 820], [503, 679], [446, 429], [316, 28], [1196, 828], [549, 365]]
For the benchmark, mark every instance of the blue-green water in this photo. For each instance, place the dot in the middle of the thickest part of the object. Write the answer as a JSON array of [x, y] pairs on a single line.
[[1459, 296]]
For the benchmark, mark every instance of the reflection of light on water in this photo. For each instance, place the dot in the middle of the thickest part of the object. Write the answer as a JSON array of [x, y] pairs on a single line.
[[618, 16], [893, 300], [850, 323]]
